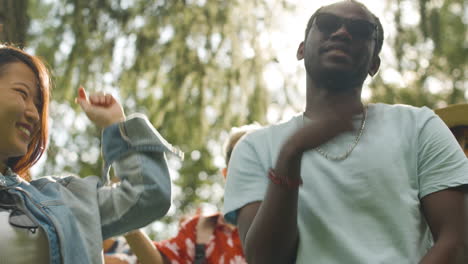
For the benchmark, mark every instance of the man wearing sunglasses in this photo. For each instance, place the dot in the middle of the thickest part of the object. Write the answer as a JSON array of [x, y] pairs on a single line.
[[345, 182]]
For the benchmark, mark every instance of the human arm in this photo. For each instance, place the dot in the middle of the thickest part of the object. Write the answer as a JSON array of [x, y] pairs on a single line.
[[270, 226], [443, 175], [144, 249], [116, 259], [137, 153], [444, 212]]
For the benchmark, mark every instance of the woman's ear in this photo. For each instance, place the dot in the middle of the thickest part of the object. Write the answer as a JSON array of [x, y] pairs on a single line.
[[300, 51]]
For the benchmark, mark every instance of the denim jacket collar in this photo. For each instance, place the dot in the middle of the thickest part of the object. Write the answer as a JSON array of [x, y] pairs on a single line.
[[9, 179]]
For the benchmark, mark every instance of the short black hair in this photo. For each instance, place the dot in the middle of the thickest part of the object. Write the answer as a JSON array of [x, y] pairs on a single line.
[[380, 31]]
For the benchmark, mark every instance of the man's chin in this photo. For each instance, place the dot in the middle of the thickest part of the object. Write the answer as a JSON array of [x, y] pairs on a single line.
[[337, 72], [340, 77], [338, 68]]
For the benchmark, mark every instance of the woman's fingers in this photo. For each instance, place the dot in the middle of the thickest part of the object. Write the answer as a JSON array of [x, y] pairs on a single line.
[[98, 98], [101, 99], [109, 99], [82, 93], [82, 99], [101, 108], [94, 98]]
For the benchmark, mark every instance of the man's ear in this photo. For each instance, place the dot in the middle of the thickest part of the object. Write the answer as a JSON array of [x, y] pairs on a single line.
[[300, 51], [375, 66]]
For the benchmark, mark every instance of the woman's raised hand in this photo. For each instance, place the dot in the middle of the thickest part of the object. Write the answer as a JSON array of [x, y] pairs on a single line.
[[102, 109]]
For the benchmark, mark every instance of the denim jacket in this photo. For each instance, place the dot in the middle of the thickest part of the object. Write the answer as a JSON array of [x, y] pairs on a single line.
[[78, 213]]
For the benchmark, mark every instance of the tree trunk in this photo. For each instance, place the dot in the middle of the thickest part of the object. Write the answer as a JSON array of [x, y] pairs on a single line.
[[14, 22]]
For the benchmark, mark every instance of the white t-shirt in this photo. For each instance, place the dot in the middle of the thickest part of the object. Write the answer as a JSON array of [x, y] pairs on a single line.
[[21, 245], [366, 208]]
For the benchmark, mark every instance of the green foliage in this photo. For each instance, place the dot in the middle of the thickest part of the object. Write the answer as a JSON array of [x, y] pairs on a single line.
[[13, 15], [431, 55]]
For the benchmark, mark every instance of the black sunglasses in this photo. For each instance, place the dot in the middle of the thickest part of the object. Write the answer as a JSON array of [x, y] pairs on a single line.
[[17, 217], [328, 23]]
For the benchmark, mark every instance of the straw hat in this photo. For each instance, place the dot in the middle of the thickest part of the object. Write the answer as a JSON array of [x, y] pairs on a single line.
[[454, 115]]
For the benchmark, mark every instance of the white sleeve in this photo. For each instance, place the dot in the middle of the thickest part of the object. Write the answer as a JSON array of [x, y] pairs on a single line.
[[247, 177], [441, 162]]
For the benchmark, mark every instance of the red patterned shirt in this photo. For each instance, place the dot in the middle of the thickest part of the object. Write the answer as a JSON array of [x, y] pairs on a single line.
[[224, 246]]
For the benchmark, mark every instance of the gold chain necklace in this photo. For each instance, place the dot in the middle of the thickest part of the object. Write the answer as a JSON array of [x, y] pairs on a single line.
[[348, 152]]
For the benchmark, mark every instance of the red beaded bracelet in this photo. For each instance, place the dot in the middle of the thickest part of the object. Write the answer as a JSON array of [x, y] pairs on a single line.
[[289, 183]]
